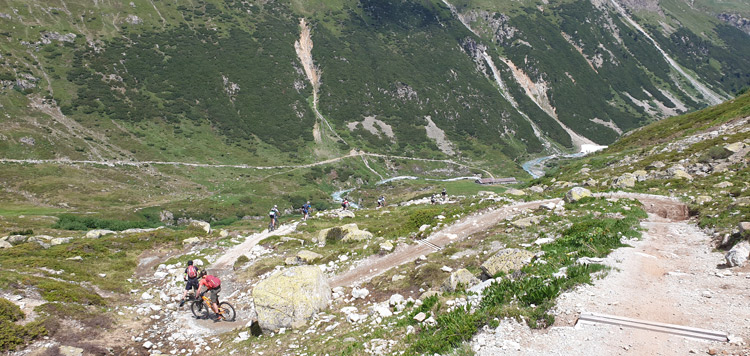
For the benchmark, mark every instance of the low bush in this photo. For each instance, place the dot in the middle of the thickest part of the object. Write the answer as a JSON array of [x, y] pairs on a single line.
[[75, 222]]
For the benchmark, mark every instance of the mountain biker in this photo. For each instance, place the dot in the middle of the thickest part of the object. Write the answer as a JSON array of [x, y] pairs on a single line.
[[432, 199], [306, 210], [191, 280], [381, 201], [444, 193], [212, 285], [274, 215], [344, 204]]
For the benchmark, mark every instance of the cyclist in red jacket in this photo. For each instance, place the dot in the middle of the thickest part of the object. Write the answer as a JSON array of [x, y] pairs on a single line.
[[212, 285]]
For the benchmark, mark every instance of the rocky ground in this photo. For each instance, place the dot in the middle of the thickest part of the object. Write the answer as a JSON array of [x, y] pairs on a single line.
[[672, 275]]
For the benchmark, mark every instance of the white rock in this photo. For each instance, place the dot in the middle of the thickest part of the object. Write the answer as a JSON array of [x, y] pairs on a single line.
[[148, 344], [446, 269], [396, 299], [146, 296], [423, 228], [421, 316], [360, 293]]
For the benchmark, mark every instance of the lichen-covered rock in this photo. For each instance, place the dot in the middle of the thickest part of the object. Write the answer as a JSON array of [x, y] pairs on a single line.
[[703, 199], [626, 180], [576, 194], [506, 260], [737, 256], [289, 298], [460, 277], [191, 240], [357, 235], [308, 257], [679, 173], [734, 147], [345, 214], [526, 222], [386, 246], [723, 184], [640, 175], [516, 192]]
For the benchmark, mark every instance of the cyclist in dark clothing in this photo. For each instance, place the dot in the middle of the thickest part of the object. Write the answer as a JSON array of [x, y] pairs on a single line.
[[191, 280]]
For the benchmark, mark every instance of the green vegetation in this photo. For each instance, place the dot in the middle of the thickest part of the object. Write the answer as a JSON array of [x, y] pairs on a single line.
[[13, 335]]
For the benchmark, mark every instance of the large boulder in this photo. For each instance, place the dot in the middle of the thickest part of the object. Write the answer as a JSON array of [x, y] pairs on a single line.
[[576, 194], [507, 260], [626, 180], [5, 244], [640, 175], [358, 235], [744, 227], [344, 214], [734, 147], [201, 225], [737, 256], [516, 192], [460, 277], [289, 298]]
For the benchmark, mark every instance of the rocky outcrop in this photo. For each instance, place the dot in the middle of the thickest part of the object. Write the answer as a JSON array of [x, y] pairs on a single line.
[[289, 298], [507, 260]]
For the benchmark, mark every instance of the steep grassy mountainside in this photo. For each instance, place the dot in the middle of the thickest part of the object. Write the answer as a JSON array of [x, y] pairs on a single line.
[[420, 78]]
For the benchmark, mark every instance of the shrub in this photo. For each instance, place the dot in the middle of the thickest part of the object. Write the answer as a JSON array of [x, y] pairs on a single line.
[[75, 222], [9, 311], [334, 235]]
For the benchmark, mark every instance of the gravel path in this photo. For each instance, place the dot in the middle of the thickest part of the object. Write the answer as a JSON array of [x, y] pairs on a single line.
[[671, 275]]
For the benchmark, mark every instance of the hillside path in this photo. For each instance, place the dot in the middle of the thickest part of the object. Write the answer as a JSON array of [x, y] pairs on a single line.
[[672, 275], [478, 222], [226, 261]]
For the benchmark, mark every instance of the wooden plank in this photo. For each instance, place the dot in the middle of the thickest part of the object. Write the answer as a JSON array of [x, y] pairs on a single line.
[[674, 329]]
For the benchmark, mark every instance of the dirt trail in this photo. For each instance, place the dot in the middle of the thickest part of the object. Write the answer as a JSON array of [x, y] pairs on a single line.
[[226, 261], [376, 265], [671, 275]]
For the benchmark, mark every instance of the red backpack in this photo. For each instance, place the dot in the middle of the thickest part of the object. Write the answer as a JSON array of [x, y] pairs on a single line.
[[213, 281], [192, 272]]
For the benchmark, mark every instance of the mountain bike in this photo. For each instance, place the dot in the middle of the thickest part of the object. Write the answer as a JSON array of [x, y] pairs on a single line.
[[202, 307]]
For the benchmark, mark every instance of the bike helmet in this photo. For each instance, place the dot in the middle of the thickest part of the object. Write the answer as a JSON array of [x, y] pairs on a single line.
[[203, 273], [190, 262]]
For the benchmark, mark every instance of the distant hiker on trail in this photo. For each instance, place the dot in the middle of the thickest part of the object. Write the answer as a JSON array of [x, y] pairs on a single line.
[[306, 210], [274, 215], [191, 280], [381, 201], [211, 285], [344, 204], [444, 193], [433, 200]]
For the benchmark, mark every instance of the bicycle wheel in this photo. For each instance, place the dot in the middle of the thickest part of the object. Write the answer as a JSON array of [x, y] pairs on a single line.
[[198, 309], [227, 311]]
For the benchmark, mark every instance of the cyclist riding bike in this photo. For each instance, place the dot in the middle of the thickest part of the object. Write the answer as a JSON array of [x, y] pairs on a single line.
[[306, 211], [344, 204], [191, 280], [274, 215], [444, 193], [212, 285]]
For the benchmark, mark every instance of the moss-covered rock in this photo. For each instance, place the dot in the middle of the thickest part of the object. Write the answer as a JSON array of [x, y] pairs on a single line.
[[289, 298], [506, 260]]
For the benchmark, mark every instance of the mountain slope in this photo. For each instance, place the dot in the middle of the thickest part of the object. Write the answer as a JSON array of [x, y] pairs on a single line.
[[509, 79]]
